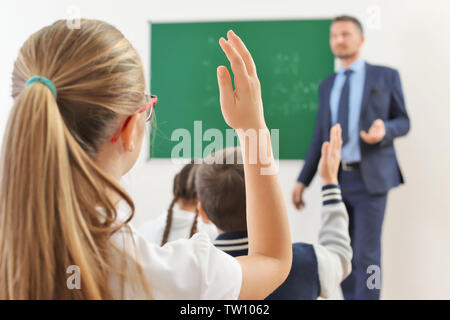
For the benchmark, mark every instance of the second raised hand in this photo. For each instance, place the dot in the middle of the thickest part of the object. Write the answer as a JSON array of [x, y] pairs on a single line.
[[241, 108], [331, 156]]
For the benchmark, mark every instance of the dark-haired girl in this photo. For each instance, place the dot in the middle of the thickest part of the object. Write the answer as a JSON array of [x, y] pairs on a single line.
[[181, 221]]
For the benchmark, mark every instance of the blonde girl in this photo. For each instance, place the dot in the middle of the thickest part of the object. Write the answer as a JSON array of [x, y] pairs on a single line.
[[76, 126]]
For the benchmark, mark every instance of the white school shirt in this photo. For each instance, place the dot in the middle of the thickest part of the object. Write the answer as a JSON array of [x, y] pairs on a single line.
[[182, 269], [182, 220]]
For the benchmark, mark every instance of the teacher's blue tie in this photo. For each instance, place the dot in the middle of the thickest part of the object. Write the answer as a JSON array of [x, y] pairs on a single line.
[[343, 110]]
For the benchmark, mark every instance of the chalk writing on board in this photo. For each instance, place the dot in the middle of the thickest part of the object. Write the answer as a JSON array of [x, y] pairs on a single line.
[[286, 63], [289, 94], [290, 98]]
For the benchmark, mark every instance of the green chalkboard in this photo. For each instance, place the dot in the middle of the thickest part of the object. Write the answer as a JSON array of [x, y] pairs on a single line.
[[292, 58]]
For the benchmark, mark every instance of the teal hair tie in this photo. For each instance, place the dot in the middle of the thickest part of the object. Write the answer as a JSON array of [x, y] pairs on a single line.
[[43, 80]]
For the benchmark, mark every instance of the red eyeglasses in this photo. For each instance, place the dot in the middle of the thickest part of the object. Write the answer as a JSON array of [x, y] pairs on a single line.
[[149, 107]]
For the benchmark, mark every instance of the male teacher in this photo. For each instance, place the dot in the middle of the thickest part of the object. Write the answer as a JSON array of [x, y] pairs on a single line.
[[367, 101]]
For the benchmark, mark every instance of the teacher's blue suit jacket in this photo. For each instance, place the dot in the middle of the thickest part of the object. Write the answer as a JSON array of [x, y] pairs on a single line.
[[382, 99]]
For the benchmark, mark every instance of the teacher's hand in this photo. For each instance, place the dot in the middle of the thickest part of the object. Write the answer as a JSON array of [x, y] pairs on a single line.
[[297, 196], [376, 132]]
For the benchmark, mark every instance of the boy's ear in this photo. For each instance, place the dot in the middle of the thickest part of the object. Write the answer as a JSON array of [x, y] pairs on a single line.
[[202, 213], [128, 134]]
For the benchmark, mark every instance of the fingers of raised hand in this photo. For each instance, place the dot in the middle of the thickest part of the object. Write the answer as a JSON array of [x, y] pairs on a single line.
[[339, 135], [336, 138], [236, 61], [325, 150], [243, 51], [225, 87]]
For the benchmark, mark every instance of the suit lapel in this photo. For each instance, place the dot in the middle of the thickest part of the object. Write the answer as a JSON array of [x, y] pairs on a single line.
[[328, 88]]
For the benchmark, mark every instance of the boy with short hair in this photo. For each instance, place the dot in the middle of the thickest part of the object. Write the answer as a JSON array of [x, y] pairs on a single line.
[[317, 270]]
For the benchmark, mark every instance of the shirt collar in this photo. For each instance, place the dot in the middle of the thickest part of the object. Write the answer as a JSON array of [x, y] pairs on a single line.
[[232, 242], [356, 66], [239, 235]]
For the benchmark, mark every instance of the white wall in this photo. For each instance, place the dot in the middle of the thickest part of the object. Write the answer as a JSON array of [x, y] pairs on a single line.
[[413, 37]]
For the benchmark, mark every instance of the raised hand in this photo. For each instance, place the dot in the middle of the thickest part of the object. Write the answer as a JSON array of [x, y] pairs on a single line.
[[331, 156], [376, 132], [269, 257], [241, 108]]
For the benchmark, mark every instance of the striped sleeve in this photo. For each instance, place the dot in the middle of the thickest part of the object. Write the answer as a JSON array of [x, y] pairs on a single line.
[[331, 193], [334, 252]]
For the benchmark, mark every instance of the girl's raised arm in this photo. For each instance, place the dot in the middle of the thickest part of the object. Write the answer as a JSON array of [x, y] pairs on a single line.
[[270, 249]]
